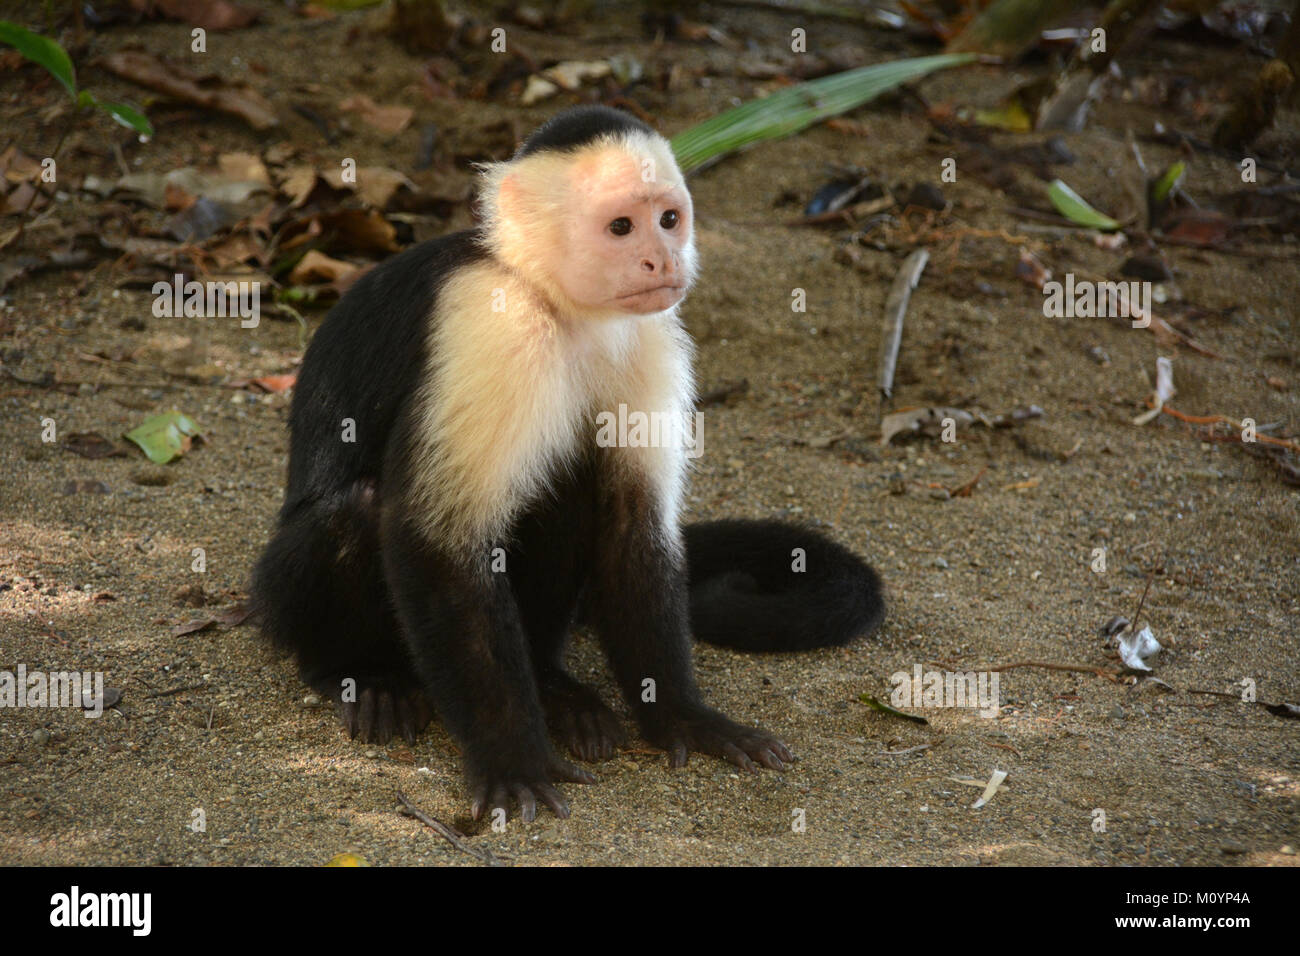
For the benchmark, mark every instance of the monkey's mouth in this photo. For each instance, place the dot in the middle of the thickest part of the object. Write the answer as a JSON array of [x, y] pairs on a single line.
[[652, 290]]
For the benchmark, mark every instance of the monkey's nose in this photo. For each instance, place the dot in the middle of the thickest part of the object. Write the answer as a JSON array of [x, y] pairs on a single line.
[[648, 265]]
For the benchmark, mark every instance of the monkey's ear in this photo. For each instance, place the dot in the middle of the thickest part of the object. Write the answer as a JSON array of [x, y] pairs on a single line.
[[511, 198]]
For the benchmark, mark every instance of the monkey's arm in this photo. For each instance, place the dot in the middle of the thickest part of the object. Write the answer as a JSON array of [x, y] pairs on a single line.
[[463, 630], [640, 612]]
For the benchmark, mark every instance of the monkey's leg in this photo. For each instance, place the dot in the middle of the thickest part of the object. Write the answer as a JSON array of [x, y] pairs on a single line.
[[319, 591], [640, 609], [547, 567], [462, 625]]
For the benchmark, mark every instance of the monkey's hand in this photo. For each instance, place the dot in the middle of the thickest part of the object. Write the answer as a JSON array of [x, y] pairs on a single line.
[[699, 728], [493, 787], [576, 714]]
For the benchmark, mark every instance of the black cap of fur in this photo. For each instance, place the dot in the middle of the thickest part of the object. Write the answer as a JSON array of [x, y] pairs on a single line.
[[579, 126]]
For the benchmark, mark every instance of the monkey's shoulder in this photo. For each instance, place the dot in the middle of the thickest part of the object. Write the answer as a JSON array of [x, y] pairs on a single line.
[[367, 359]]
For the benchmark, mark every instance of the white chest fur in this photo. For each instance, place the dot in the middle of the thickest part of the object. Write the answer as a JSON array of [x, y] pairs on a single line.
[[511, 394]]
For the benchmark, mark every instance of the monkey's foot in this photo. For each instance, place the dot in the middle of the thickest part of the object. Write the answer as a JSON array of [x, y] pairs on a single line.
[[580, 719], [381, 711], [493, 789], [709, 732]]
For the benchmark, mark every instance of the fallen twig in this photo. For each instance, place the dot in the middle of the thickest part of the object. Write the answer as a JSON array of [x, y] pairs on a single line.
[[1110, 675], [175, 690], [450, 834]]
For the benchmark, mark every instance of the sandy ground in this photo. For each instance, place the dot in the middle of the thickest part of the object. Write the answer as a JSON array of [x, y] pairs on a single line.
[[96, 581]]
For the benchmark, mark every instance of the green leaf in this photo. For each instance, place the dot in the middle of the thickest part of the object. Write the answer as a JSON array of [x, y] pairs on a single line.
[[128, 116], [793, 108], [1073, 207], [1168, 182], [886, 709], [1011, 116], [41, 49], [164, 437]]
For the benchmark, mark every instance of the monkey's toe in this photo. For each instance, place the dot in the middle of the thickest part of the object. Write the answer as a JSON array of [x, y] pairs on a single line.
[[379, 714], [707, 731], [581, 721], [494, 790]]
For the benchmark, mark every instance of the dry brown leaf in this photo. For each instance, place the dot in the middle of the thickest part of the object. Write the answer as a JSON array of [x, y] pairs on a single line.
[[1031, 271], [297, 184], [376, 185], [316, 267], [17, 167], [212, 92], [386, 119], [235, 250], [359, 230], [208, 14], [276, 383], [1023, 485], [571, 74], [243, 167]]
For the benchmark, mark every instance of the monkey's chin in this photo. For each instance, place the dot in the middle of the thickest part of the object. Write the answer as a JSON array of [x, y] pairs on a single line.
[[651, 300]]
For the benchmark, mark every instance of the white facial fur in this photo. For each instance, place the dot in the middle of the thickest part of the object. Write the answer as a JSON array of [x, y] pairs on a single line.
[[556, 219]]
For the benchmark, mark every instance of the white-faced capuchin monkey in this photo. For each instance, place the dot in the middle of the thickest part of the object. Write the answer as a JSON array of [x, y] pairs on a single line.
[[451, 510]]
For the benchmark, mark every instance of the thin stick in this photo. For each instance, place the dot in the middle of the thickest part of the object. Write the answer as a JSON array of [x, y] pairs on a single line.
[[909, 750], [1150, 577], [895, 309], [175, 690], [1080, 668], [451, 835]]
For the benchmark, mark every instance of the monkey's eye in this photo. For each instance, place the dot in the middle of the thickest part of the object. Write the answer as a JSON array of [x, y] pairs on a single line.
[[621, 226], [669, 219]]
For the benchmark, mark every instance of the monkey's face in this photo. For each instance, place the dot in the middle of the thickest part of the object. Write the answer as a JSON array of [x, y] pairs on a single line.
[[628, 236]]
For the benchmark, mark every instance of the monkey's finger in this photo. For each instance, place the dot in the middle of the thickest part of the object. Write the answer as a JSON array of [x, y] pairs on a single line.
[[479, 802], [366, 714], [738, 757], [423, 712], [782, 751], [348, 714], [593, 742], [677, 754], [406, 719], [385, 717], [500, 800], [567, 729], [561, 769], [768, 758], [527, 802], [553, 800]]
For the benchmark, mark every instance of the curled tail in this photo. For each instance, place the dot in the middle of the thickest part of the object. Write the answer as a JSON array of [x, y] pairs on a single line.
[[752, 590]]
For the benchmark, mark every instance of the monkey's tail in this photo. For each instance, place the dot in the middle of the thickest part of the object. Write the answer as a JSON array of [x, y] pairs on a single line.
[[771, 586]]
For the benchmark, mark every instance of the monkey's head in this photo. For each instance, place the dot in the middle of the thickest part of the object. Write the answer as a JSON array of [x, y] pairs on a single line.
[[594, 211]]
